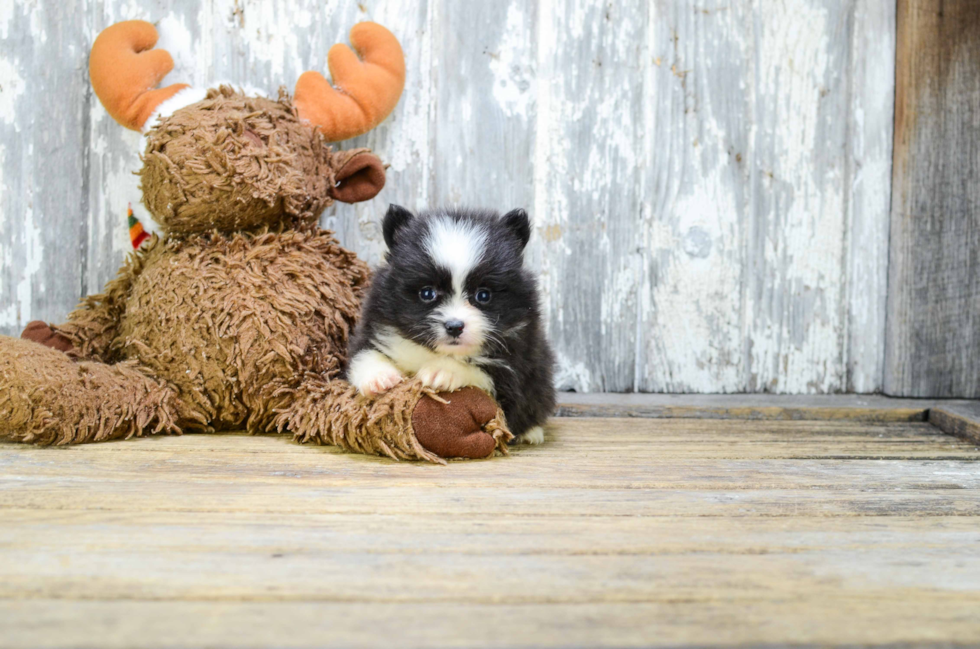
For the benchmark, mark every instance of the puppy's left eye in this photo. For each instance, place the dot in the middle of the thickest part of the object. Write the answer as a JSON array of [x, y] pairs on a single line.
[[482, 295]]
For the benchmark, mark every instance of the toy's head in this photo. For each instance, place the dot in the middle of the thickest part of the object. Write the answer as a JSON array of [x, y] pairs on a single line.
[[218, 159]]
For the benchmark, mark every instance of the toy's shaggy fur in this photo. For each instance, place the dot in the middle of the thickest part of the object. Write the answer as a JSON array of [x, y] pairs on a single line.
[[228, 320]]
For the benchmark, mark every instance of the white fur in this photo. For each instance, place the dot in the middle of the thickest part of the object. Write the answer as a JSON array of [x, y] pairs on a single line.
[[458, 246], [533, 436], [436, 371], [182, 99], [372, 373]]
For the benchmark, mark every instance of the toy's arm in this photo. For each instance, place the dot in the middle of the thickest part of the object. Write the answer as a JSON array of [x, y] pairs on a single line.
[[92, 326], [409, 422]]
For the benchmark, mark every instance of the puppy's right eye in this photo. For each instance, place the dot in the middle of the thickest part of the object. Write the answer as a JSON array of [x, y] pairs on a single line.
[[427, 294]]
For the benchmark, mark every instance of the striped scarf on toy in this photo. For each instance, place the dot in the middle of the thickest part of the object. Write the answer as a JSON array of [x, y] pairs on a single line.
[[137, 235]]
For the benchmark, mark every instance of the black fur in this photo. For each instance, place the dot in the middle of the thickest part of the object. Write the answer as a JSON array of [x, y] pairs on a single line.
[[517, 356]]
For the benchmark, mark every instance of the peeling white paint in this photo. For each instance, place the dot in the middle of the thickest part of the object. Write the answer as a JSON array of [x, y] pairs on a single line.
[[796, 338], [270, 36], [176, 38], [34, 256], [696, 300], [573, 375], [11, 90], [5, 257], [513, 76], [6, 17]]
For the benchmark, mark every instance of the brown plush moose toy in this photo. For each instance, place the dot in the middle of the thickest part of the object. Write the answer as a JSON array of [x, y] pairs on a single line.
[[238, 315]]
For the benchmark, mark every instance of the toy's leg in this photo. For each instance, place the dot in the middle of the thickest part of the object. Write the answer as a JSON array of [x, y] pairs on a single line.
[[407, 422], [46, 398]]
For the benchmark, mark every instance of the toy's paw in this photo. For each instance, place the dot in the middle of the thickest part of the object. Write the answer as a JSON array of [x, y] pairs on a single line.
[[42, 333], [455, 428], [443, 379], [380, 382]]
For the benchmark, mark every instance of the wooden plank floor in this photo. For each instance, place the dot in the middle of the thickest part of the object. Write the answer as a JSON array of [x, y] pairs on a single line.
[[616, 532]]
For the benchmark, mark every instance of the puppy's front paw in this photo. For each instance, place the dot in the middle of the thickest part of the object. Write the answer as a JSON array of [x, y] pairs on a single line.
[[440, 379], [380, 382], [373, 374]]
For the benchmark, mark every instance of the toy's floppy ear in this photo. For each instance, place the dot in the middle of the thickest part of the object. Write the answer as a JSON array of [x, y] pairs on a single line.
[[124, 70], [519, 224], [359, 178], [396, 218], [366, 91]]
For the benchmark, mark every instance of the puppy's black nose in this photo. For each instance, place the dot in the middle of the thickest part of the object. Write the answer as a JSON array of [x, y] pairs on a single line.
[[454, 328]]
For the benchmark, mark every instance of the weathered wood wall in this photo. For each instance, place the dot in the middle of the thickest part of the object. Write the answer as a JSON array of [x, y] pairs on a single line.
[[933, 339], [709, 179]]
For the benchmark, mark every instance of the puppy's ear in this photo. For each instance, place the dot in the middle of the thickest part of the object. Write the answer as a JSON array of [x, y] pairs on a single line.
[[395, 219], [518, 223]]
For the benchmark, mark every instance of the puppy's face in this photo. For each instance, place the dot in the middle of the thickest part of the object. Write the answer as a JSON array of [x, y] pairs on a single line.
[[455, 279]]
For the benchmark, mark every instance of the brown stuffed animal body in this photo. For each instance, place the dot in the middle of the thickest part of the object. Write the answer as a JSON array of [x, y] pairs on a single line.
[[239, 315]]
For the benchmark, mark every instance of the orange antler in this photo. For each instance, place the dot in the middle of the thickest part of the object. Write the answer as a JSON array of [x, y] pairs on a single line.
[[366, 91], [125, 70]]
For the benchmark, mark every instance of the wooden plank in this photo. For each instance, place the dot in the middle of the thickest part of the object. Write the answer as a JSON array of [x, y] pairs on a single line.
[[407, 533], [588, 215], [794, 237], [561, 431], [947, 499], [868, 164], [934, 299], [44, 141], [343, 574], [961, 420], [910, 619], [592, 467], [687, 244], [659, 439], [830, 474], [746, 406]]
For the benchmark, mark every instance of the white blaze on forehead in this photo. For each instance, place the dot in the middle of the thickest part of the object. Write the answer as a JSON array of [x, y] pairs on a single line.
[[457, 246]]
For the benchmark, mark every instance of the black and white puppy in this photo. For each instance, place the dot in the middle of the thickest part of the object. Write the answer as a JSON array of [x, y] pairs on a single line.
[[454, 306]]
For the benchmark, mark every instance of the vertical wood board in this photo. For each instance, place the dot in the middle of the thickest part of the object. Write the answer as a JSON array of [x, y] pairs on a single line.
[[933, 339]]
